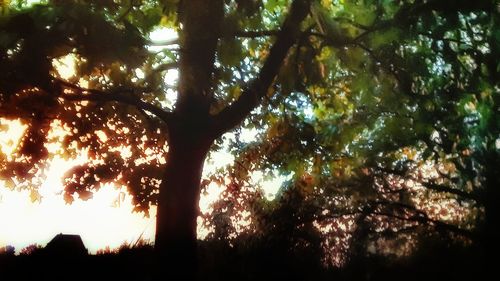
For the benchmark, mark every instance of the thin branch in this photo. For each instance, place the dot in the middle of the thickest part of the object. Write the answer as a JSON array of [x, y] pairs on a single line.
[[84, 94], [255, 34], [352, 22], [433, 186], [438, 224], [391, 232], [421, 217], [446, 189], [166, 66], [126, 12], [252, 96]]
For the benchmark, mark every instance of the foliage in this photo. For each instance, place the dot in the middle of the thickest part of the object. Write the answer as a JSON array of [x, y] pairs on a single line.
[[7, 250], [383, 114], [375, 130], [32, 249]]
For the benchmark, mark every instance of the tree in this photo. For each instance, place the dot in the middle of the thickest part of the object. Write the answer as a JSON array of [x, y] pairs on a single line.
[[397, 137], [346, 95]]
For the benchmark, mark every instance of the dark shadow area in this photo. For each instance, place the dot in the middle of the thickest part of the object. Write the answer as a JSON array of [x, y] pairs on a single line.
[[434, 260], [56, 263], [254, 260]]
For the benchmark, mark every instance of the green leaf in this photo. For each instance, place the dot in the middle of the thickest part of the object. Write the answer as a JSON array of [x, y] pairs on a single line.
[[230, 52], [379, 39]]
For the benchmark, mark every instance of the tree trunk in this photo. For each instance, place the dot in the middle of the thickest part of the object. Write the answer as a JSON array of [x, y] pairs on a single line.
[[178, 204], [189, 139], [191, 129]]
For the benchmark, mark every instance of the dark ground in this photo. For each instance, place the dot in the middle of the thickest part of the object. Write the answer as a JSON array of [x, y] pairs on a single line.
[[218, 262]]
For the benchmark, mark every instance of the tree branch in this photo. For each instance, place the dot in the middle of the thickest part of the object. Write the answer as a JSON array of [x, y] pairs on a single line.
[[84, 94], [166, 66], [254, 34], [426, 220], [251, 97], [421, 217], [436, 187], [442, 188]]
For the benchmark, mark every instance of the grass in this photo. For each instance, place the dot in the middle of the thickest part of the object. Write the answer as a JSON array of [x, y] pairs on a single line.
[[218, 261]]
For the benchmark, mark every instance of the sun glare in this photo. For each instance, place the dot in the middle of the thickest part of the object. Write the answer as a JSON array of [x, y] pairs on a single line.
[[106, 220], [65, 66], [36, 216], [8, 142]]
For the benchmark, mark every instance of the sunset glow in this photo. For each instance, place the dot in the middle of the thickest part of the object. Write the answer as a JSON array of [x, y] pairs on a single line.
[[104, 220], [35, 216]]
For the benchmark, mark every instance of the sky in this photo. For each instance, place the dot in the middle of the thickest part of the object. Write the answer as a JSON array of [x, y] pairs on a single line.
[[105, 220]]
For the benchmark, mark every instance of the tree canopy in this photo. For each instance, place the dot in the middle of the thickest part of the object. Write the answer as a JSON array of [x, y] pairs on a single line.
[[382, 115]]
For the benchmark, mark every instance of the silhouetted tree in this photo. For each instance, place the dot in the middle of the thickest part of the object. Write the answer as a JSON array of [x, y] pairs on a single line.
[[378, 111]]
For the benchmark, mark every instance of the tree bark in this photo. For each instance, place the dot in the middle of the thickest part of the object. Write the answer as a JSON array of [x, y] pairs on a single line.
[[178, 202], [191, 129], [189, 141]]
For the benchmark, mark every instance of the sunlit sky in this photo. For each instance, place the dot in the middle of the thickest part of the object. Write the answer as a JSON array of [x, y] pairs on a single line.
[[105, 220]]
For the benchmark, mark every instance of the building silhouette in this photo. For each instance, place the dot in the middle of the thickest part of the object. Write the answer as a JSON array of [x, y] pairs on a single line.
[[66, 245]]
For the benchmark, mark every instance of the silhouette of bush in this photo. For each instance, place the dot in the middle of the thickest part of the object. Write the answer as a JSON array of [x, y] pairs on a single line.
[[140, 246], [254, 258], [7, 250], [32, 249], [433, 259], [106, 251]]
